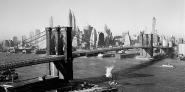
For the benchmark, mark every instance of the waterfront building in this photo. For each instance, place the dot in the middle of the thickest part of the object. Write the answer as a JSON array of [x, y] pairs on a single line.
[[1, 47], [181, 49], [74, 42], [117, 40], [101, 41], [79, 37], [181, 41], [140, 38], [108, 36], [164, 42], [5, 43], [11, 43], [127, 39], [86, 37], [15, 41]]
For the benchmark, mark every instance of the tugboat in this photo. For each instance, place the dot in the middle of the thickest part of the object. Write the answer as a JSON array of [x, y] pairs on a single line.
[[7, 75]]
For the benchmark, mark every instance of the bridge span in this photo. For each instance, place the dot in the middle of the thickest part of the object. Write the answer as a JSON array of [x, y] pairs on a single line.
[[61, 60], [58, 58]]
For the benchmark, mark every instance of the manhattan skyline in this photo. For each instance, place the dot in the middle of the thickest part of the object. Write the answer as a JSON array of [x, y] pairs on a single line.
[[22, 16]]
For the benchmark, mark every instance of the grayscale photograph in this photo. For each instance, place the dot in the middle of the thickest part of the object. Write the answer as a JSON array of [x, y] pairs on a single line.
[[92, 45]]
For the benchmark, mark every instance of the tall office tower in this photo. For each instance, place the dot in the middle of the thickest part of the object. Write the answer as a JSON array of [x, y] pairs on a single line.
[[154, 31], [51, 22], [87, 33], [74, 23], [70, 19], [15, 41]]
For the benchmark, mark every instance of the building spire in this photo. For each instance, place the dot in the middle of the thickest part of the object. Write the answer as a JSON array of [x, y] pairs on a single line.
[[70, 18], [74, 22]]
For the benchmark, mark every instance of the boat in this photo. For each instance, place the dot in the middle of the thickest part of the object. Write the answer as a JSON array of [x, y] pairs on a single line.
[[100, 55], [121, 52], [167, 65]]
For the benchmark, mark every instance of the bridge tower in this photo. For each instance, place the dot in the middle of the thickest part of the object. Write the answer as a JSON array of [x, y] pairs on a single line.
[[55, 44], [147, 45]]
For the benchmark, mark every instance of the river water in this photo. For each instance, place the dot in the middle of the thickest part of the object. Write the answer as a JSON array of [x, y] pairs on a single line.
[[132, 75]]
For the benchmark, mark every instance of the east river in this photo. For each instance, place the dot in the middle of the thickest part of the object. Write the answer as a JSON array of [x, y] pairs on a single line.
[[131, 75]]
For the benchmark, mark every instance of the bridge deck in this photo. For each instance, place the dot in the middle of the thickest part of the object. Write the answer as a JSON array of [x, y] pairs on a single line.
[[54, 58]]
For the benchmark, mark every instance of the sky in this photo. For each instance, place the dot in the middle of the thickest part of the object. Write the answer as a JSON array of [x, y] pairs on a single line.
[[19, 17]]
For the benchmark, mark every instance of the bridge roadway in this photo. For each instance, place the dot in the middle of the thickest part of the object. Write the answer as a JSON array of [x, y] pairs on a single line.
[[57, 58]]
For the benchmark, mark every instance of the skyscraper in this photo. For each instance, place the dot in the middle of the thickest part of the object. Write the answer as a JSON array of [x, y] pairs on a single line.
[[70, 19], [15, 41], [154, 31], [74, 22], [51, 22]]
